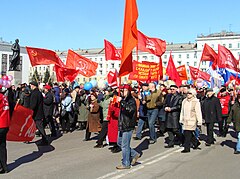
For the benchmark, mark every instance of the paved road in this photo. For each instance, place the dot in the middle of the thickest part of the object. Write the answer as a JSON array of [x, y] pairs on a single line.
[[70, 157]]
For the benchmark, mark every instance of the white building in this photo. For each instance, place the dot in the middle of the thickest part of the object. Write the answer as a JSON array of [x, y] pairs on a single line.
[[183, 54]]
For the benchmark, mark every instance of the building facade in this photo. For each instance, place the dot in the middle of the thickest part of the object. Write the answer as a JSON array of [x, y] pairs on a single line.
[[188, 54]]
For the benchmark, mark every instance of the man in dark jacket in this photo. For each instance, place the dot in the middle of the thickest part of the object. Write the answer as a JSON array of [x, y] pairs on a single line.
[[36, 104], [126, 125], [212, 113], [173, 109], [48, 106]]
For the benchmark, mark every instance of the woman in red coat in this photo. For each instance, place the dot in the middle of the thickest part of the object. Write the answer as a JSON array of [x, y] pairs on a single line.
[[4, 126]]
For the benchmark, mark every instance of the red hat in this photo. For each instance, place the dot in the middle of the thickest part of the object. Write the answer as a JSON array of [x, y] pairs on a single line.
[[48, 87], [126, 86]]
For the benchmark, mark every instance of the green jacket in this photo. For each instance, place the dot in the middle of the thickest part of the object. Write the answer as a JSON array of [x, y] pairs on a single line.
[[234, 116], [104, 104]]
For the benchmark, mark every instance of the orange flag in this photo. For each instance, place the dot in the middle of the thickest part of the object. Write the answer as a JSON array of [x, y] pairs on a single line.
[[182, 72], [129, 36]]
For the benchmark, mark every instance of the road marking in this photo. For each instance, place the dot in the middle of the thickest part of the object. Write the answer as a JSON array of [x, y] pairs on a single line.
[[148, 161]]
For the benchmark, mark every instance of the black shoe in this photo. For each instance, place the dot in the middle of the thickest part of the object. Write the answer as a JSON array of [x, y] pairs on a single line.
[[197, 146], [152, 141], [2, 171], [169, 146], [236, 152], [116, 150], [136, 138], [185, 151], [161, 134], [86, 139], [98, 146], [208, 144]]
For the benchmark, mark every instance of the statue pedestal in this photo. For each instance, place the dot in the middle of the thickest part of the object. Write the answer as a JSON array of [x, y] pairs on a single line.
[[17, 77]]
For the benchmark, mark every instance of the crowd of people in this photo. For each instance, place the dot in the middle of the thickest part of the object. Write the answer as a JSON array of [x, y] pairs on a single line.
[[114, 114]]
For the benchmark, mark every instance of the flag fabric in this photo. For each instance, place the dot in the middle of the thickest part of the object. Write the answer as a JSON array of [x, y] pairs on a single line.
[[22, 126], [226, 59], [64, 73], [112, 79], [172, 72], [160, 68], [152, 45], [209, 54], [182, 72], [196, 73], [85, 66], [111, 53], [129, 36], [39, 56]]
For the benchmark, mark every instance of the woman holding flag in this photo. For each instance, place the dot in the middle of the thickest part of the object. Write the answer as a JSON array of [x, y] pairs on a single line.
[[4, 127]]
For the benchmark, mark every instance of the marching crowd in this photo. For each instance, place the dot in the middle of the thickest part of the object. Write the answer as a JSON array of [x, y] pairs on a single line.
[[113, 114]]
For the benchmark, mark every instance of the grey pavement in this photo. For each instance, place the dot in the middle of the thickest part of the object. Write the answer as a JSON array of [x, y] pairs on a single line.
[[71, 157]]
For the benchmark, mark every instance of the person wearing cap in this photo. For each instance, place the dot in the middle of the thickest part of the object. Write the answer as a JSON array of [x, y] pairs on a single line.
[[142, 111], [93, 123], [48, 104], [212, 113], [4, 127], [190, 118], [66, 111], [234, 116], [36, 104], [126, 125], [224, 98], [104, 107], [172, 108]]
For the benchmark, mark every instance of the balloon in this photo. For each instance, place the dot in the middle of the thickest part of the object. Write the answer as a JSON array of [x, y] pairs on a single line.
[[5, 77], [87, 86], [8, 85], [1, 81], [4, 83], [102, 84], [94, 83], [10, 77]]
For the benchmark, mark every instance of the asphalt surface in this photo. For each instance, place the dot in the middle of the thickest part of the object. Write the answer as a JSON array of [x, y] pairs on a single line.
[[70, 157]]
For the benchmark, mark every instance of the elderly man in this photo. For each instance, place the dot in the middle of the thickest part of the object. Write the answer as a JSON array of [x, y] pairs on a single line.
[[212, 113], [173, 108]]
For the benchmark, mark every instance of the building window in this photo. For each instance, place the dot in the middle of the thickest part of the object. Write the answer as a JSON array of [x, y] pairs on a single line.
[[112, 65], [195, 64], [100, 59], [212, 46], [152, 57], [172, 56], [238, 45], [106, 65], [165, 56], [84, 79], [90, 79], [164, 63], [119, 65], [187, 56], [39, 68], [179, 56], [195, 54], [144, 57], [187, 63], [100, 65], [204, 63], [44, 68], [100, 72], [224, 45], [229, 45], [179, 63]]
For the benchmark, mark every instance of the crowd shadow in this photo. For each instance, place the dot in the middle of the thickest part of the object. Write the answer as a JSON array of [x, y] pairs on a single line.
[[229, 143], [30, 157]]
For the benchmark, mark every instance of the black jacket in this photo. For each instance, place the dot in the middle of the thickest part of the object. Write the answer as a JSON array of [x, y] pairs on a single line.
[[127, 118], [212, 110], [48, 104], [36, 104], [172, 117]]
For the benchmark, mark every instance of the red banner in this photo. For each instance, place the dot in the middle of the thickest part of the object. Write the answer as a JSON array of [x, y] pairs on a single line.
[[182, 72], [111, 53], [22, 126], [144, 71]]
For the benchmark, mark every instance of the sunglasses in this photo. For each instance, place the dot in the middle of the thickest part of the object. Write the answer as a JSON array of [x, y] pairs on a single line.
[[189, 93], [172, 89]]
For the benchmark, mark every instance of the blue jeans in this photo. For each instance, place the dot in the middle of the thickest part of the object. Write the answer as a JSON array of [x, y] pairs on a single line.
[[238, 143], [124, 139], [152, 116], [139, 128]]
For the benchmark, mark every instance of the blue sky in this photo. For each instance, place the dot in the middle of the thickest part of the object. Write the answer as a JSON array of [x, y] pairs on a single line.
[[64, 24]]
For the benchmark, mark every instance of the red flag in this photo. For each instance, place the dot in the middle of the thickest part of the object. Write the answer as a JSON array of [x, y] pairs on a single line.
[[226, 59], [160, 68], [196, 73], [152, 45], [112, 78], [40, 56], [182, 72], [129, 36], [64, 73], [111, 53], [85, 66], [172, 72], [22, 126], [209, 54]]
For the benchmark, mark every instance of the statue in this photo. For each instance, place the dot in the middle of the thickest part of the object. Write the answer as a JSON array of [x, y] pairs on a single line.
[[15, 57]]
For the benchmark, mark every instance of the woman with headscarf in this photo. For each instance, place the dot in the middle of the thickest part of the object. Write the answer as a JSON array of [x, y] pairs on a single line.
[[190, 118]]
